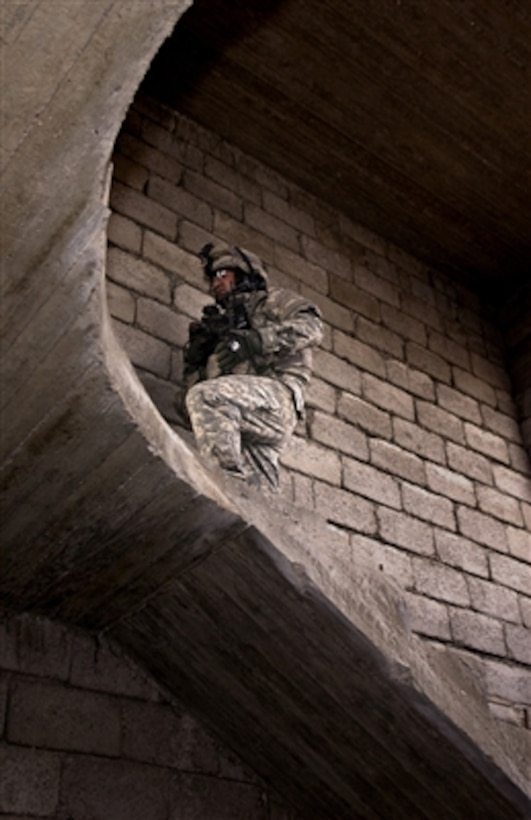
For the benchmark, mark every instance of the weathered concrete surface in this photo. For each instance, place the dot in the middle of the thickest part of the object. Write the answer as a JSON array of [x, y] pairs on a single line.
[[110, 522]]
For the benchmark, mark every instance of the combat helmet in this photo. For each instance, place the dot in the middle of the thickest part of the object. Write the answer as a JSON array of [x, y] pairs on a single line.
[[251, 273]]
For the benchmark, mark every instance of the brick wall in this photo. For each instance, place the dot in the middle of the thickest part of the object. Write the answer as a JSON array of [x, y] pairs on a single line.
[[411, 447], [84, 734], [517, 323]]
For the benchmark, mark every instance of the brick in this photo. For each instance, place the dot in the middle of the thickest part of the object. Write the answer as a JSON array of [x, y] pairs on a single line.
[[296, 266], [428, 362], [419, 305], [471, 464], [459, 405], [156, 111], [461, 553], [404, 531], [382, 265], [35, 646], [406, 326], [275, 228], [477, 631], [368, 481], [230, 230], [509, 481], [526, 512], [371, 554], [518, 458], [440, 421], [397, 462], [362, 235], [232, 180], [217, 196], [56, 717], [512, 573], [508, 682], [330, 260], [287, 212], [152, 733], [3, 701], [449, 350], [347, 347], [436, 580], [129, 172], [507, 714], [486, 443], [162, 393], [190, 300], [160, 163], [499, 505], [138, 275], [144, 210], [263, 175], [181, 202], [338, 507], [525, 608], [125, 233], [428, 617], [162, 322], [383, 395], [472, 386], [490, 372], [339, 435], [381, 288], [428, 506], [411, 380], [302, 491], [334, 314], [312, 459], [172, 258], [365, 415], [336, 371], [500, 423], [493, 599], [119, 789], [145, 351], [519, 643], [450, 484], [414, 439], [182, 150], [104, 668], [121, 303], [30, 781], [194, 796], [349, 295], [321, 395], [519, 541], [482, 528], [379, 337]]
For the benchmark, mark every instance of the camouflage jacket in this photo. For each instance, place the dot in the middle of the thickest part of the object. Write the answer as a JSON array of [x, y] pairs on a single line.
[[289, 327]]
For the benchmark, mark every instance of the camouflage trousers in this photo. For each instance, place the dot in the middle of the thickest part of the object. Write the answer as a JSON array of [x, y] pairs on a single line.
[[242, 422]]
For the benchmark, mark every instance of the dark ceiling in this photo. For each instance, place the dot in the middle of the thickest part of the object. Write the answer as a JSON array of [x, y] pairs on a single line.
[[413, 117]]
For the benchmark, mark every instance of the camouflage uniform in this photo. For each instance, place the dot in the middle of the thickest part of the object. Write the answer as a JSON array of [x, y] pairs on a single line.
[[244, 417]]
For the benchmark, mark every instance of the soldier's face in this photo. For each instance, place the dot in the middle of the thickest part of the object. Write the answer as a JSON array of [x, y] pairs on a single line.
[[222, 283]]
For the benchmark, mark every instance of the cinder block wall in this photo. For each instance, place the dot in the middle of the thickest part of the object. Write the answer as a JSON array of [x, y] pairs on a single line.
[[84, 734], [411, 448]]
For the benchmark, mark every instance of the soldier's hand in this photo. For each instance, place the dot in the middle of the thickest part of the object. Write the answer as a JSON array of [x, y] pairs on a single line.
[[239, 346], [200, 345]]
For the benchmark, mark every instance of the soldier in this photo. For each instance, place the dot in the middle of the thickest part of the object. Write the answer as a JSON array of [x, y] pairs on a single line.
[[247, 364]]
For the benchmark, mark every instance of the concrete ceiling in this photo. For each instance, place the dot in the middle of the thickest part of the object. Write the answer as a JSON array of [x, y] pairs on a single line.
[[414, 117]]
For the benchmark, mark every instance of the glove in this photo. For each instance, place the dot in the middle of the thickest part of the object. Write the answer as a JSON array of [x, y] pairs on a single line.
[[200, 345], [239, 346]]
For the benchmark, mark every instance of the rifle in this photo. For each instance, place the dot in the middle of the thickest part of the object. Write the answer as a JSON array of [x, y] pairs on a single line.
[[214, 326]]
